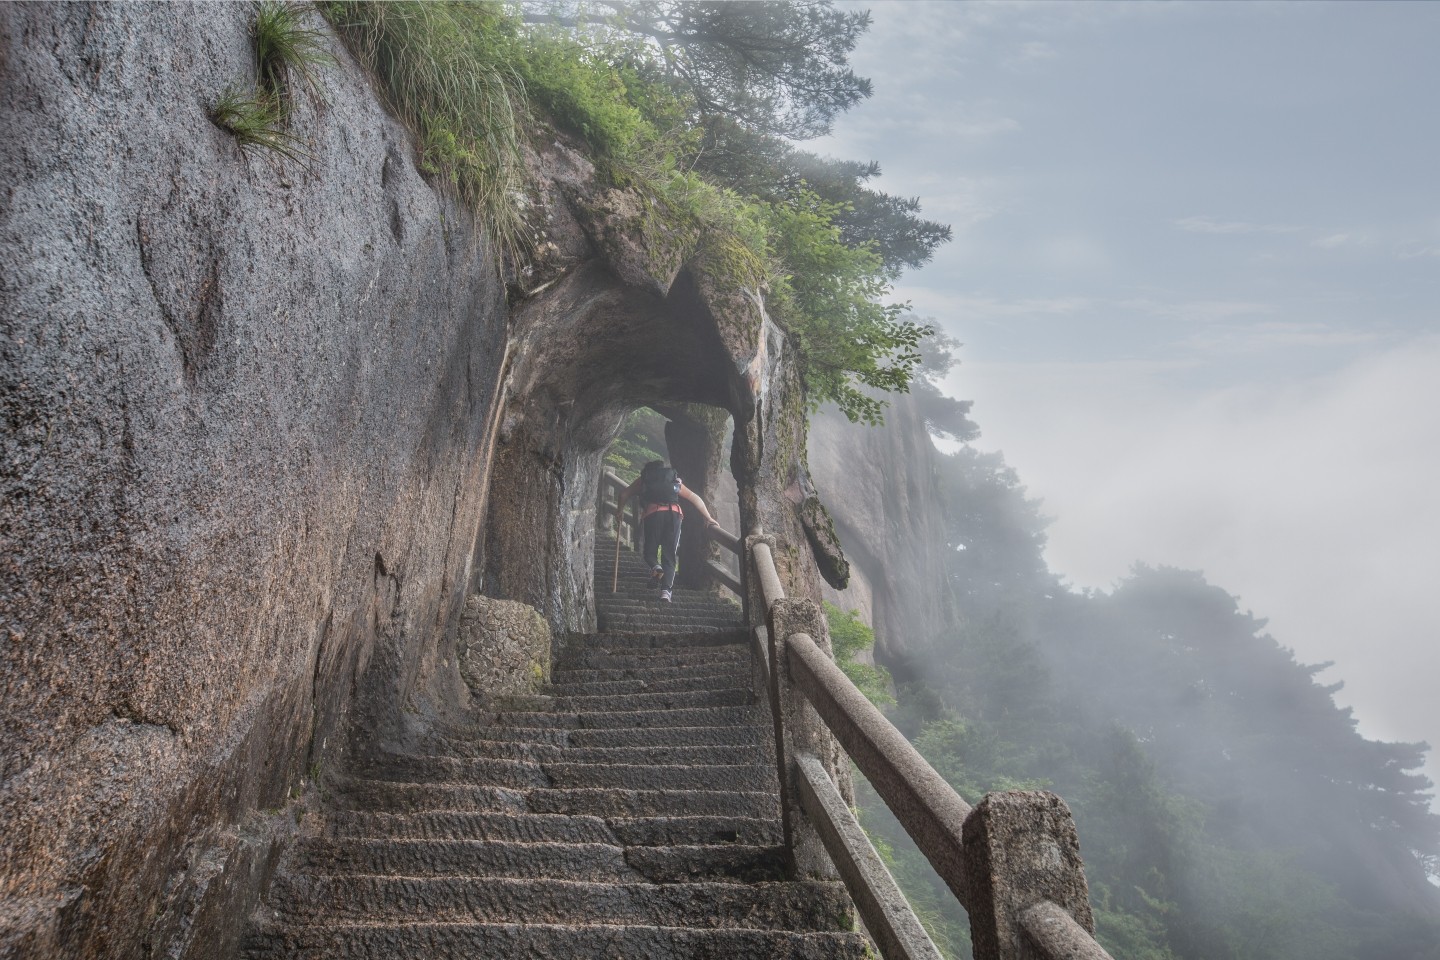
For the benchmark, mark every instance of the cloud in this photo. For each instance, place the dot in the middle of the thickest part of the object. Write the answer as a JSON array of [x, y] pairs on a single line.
[[1204, 224], [1414, 250], [1031, 52], [1313, 500], [1269, 335]]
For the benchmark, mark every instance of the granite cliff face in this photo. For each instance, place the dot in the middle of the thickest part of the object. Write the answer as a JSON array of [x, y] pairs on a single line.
[[880, 485], [266, 425]]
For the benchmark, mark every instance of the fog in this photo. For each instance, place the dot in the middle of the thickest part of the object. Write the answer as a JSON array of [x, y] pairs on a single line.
[[1196, 273], [1312, 499]]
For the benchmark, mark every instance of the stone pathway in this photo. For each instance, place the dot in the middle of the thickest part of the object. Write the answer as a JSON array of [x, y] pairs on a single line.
[[627, 811]]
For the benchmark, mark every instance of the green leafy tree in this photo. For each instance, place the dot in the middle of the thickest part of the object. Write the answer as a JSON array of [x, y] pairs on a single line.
[[850, 638], [780, 68], [831, 300]]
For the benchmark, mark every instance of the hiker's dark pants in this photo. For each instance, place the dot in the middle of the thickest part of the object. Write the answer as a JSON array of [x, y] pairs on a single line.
[[662, 532]]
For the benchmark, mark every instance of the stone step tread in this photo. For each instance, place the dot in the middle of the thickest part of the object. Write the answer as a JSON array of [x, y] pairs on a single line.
[[671, 640], [704, 735], [476, 858], [408, 939], [611, 719], [736, 671], [399, 768], [391, 797], [675, 608], [328, 899], [635, 776], [622, 663], [732, 679], [542, 860], [554, 827], [618, 656], [731, 696], [548, 753]]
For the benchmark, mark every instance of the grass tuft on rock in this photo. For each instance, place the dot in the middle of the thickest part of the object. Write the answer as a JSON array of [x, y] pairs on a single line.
[[443, 69], [287, 53], [256, 121]]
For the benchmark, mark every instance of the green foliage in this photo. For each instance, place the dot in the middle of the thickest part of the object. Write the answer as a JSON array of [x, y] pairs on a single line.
[[287, 52], [463, 76], [850, 638], [448, 69], [256, 122], [641, 439], [773, 66], [830, 298], [581, 88]]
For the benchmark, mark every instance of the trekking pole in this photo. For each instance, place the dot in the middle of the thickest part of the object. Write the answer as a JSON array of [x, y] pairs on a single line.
[[615, 577]]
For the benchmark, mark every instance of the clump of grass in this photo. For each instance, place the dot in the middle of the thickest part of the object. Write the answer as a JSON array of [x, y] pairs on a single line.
[[287, 52], [445, 69], [256, 122]]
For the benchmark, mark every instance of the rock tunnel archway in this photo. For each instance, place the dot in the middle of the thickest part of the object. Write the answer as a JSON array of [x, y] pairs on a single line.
[[593, 351]]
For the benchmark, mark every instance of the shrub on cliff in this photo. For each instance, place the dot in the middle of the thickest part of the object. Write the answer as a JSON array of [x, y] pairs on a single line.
[[648, 86]]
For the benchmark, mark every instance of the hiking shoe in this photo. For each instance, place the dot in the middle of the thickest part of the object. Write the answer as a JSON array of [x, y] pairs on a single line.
[[657, 576], [665, 595]]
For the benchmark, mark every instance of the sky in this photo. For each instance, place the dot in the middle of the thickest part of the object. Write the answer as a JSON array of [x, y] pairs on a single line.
[[1196, 273]]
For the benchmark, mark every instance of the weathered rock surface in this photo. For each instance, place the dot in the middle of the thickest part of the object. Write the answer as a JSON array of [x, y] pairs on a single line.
[[503, 648], [879, 483], [266, 425], [245, 407]]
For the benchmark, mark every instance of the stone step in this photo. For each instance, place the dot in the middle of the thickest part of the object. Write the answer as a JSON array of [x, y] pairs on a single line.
[[659, 640], [474, 858], [737, 669], [619, 660], [610, 719], [608, 863], [696, 830], [459, 825], [409, 940], [681, 683], [656, 803], [385, 796], [549, 753], [649, 622], [677, 606], [678, 736], [329, 899], [735, 696], [695, 649], [750, 777], [554, 828], [521, 775]]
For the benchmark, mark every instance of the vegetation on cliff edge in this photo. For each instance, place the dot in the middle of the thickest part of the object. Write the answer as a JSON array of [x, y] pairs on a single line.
[[694, 105]]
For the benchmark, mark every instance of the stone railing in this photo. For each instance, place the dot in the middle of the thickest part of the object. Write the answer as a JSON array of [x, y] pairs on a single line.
[[1013, 860]]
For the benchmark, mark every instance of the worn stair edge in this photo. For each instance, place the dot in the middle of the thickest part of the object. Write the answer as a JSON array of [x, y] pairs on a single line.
[[442, 941]]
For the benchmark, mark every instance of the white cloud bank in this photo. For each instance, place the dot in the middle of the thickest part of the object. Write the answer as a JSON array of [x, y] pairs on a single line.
[[1316, 502]]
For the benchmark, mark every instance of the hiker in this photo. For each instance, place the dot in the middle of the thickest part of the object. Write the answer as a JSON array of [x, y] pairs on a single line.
[[660, 491]]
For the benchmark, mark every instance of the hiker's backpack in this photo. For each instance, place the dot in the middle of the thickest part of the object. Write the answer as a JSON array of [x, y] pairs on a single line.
[[659, 484]]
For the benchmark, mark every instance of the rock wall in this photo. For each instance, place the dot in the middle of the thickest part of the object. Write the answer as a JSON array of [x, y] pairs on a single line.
[[246, 405], [884, 520], [267, 424]]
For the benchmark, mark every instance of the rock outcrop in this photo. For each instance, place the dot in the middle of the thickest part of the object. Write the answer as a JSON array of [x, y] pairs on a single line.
[[885, 522], [267, 424]]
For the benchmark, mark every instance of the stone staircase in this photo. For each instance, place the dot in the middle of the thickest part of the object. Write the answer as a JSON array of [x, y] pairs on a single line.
[[629, 810], [636, 608]]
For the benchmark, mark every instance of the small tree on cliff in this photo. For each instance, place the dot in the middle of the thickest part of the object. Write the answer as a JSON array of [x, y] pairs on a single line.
[[780, 68]]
